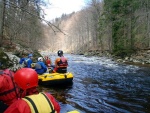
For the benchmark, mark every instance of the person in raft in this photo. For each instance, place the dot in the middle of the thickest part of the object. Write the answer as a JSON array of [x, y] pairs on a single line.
[[48, 61], [22, 59], [28, 61], [8, 89], [61, 63], [49, 64], [40, 66], [34, 101]]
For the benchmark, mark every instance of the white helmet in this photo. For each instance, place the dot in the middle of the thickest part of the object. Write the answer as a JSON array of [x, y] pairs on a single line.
[[40, 59]]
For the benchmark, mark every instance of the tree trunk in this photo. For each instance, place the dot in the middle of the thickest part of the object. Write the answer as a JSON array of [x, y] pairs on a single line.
[[148, 23], [2, 11]]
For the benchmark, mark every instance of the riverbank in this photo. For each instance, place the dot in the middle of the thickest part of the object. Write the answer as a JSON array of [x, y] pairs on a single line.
[[140, 58]]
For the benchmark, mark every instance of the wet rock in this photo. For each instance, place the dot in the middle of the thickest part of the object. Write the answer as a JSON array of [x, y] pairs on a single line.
[[5, 62]]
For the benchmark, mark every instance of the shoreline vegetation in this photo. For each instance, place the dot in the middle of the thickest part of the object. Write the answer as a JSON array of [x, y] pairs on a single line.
[[139, 58]]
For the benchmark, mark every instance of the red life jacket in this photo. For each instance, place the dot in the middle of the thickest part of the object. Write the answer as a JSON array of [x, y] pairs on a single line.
[[63, 62], [48, 62], [8, 90]]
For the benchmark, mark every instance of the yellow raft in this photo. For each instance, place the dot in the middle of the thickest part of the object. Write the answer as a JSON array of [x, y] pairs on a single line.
[[74, 111], [55, 78]]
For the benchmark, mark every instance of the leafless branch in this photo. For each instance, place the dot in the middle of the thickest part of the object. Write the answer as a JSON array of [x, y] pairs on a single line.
[[47, 22]]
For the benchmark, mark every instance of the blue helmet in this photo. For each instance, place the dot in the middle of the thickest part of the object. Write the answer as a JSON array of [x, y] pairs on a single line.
[[30, 55]]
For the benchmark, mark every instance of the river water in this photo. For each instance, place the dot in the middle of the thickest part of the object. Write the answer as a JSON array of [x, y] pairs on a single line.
[[101, 85]]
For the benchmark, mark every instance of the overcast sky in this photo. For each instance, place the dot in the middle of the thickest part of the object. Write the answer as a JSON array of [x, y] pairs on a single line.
[[58, 7]]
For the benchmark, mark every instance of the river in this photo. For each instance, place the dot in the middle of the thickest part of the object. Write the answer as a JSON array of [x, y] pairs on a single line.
[[101, 85]]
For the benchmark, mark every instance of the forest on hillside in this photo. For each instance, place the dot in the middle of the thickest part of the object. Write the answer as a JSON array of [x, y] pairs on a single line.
[[21, 23], [118, 26]]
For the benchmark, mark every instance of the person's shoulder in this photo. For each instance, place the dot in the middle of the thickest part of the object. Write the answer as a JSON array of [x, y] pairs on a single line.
[[58, 58], [42, 63], [19, 102], [23, 58], [48, 94], [17, 106], [26, 58], [53, 100], [64, 57]]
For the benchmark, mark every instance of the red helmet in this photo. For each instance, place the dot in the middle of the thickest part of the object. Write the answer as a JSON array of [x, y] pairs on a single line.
[[26, 78]]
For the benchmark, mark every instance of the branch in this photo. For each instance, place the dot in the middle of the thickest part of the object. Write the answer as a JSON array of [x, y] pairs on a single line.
[[48, 23]]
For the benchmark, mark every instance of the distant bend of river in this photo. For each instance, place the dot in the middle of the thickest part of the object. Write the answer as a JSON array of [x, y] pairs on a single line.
[[101, 85]]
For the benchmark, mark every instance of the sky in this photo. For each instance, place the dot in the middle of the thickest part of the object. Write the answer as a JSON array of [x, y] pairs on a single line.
[[56, 8]]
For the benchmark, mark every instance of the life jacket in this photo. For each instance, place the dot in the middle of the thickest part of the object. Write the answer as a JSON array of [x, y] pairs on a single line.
[[39, 103], [38, 66], [48, 62], [8, 90], [63, 62], [26, 62], [62, 65]]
